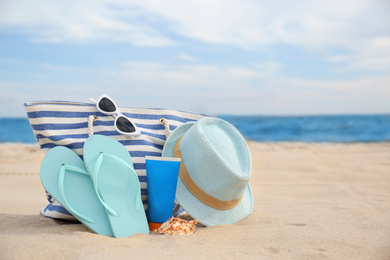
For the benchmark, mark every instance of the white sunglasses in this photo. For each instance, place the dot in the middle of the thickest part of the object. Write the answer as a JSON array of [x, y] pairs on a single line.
[[122, 123]]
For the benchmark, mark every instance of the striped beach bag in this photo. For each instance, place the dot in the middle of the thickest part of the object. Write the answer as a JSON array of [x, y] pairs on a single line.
[[63, 123]]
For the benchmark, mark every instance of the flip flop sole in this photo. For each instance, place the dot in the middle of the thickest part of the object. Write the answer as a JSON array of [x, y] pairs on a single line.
[[117, 184], [78, 195]]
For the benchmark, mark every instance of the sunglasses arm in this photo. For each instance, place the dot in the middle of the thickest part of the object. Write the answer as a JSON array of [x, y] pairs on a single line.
[[92, 100]]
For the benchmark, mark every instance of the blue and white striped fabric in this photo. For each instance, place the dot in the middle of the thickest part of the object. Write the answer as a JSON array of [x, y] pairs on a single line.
[[61, 123]]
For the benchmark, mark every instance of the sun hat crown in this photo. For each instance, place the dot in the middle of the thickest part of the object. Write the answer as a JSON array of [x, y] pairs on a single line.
[[218, 158]]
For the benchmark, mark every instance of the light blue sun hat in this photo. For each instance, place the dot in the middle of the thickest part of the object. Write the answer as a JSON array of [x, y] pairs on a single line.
[[213, 184]]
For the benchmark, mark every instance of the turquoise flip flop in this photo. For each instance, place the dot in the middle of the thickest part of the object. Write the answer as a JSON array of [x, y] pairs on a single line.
[[116, 184], [65, 177]]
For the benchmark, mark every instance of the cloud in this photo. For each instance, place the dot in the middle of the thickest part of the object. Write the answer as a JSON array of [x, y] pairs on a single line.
[[253, 79], [374, 57], [310, 24], [186, 57], [314, 26], [81, 22], [363, 95], [261, 88]]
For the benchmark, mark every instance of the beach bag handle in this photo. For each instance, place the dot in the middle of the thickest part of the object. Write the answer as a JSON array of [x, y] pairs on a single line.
[[94, 118]]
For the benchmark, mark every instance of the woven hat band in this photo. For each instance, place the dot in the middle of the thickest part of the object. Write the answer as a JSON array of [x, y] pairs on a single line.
[[196, 190]]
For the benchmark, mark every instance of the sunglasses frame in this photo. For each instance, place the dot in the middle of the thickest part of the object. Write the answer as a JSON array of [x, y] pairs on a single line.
[[116, 114]]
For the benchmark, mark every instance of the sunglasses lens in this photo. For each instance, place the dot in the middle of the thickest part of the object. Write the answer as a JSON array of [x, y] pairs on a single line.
[[106, 105], [125, 125]]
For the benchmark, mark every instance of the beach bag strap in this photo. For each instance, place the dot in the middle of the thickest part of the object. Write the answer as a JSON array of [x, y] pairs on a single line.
[[165, 123], [91, 119]]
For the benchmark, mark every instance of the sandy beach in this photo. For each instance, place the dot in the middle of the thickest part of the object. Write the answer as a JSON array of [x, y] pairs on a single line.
[[311, 201]]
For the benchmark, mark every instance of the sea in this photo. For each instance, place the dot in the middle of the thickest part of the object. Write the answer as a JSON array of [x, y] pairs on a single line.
[[260, 128]]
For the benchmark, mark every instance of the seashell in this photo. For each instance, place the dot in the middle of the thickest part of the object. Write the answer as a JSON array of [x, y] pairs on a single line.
[[178, 226]]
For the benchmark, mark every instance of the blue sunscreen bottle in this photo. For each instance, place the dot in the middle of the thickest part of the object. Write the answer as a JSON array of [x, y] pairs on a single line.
[[161, 178]]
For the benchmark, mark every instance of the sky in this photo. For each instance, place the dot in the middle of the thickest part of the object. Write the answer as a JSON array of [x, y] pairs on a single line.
[[208, 56]]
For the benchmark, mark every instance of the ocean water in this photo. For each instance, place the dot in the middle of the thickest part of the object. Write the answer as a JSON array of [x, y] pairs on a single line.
[[331, 129], [16, 130]]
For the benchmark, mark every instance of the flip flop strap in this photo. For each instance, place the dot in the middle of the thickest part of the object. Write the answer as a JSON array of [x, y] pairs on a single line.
[[65, 168], [96, 170]]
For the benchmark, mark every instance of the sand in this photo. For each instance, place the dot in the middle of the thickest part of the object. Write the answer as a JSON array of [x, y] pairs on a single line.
[[312, 201]]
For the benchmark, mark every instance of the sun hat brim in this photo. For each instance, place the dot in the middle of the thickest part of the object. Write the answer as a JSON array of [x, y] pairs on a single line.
[[207, 215]]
